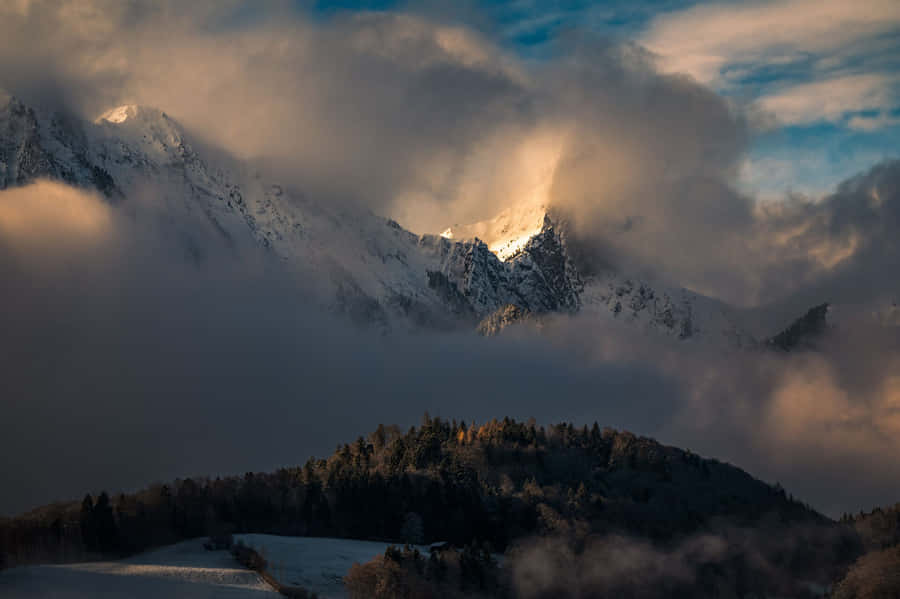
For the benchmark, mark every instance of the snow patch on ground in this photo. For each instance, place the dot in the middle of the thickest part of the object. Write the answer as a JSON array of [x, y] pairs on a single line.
[[317, 564], [184, 570], [187, 570]]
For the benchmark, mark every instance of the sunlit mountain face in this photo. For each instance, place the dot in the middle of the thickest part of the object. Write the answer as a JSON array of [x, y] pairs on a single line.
[[586, 241]]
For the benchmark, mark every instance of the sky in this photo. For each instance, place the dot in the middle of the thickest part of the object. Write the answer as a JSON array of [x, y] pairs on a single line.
[[824, 76], [661, 129]]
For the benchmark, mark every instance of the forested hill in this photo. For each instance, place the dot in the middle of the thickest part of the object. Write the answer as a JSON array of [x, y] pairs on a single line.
[[442, 481]]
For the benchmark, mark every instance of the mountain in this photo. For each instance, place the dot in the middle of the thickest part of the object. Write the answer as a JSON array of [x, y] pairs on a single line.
[[367, 266], [644, 304], [507, 233], [803, 332], [510, 314], [352, 261]]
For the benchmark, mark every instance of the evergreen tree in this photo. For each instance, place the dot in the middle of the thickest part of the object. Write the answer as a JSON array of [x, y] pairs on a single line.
[[105, 525], [87, 523]]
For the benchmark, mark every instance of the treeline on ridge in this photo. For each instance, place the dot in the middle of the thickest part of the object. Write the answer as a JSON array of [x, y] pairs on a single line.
[[442, 481]]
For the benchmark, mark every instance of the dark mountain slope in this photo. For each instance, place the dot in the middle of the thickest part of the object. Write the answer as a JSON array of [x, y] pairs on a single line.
[[803, 332]]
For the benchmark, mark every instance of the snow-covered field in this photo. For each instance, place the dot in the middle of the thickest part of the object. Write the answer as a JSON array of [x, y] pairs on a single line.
[[186, 569], [317, 564]]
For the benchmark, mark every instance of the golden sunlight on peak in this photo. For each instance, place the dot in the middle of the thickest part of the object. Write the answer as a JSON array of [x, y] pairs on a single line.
[[526, 185], [117, 115]]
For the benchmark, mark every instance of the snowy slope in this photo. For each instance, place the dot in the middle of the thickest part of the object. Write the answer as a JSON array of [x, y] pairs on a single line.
[[186, 570], [316, 564], [674, 312]]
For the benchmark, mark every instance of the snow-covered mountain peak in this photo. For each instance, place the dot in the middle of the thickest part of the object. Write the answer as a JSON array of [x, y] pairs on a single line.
[[151, 132], [144, 119], [133, 114], [507, 233], [119, 114]]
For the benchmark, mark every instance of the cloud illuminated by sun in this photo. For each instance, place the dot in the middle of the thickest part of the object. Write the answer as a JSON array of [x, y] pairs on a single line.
[[51, 212]]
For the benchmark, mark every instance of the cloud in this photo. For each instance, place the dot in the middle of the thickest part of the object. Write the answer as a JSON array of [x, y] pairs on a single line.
[[631, 212], [806, 419], [772, 556], [873, 123], [428, 123], [50, 210], [810, 404], [831, 99], [434, 125], [705, 39], [376, 108], [804, 60], [130, 362], [125, 362], [609, 565]]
